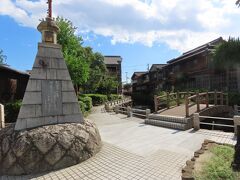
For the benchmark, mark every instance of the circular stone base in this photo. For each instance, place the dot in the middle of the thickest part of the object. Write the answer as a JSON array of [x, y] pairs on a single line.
[[47, 148]]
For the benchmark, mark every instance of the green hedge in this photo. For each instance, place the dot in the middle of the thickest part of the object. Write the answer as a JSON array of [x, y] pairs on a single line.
[[97, 99], [82, 107], [87, 101], [11, 111], [113, 97]]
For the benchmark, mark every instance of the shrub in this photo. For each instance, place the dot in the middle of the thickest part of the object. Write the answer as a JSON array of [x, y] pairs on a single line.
[[82, 106], [12, 110], [113, 97], [97, 99], [87, 101]]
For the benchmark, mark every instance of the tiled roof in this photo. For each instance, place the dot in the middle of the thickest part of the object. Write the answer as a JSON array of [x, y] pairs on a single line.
[[199, 50], [138, 74], [156, 66], [112, 59], [6, 68]]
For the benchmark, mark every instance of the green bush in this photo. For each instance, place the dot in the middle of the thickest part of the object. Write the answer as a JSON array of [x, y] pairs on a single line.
[[113, 97], [97, 99], [82, 106], [87, 101], [12, 110]]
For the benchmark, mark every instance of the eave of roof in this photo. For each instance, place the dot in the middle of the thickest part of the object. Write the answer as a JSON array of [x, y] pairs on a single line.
[[13, 70]]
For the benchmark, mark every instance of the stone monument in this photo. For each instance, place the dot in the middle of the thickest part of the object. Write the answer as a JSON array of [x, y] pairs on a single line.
[[50, 97], [50, 132]]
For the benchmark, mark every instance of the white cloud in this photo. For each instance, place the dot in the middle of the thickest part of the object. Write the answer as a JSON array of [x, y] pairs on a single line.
[[180, 24]]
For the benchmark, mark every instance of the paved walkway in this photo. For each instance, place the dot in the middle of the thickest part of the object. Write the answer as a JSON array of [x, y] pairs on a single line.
[[133, 150]]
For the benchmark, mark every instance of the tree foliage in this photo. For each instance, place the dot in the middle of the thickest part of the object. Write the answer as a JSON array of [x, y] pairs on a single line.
[[227, 54], [87, 69], [2, 57]]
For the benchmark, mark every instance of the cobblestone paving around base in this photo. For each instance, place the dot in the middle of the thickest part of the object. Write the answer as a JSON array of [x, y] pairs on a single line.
[[133, 150]]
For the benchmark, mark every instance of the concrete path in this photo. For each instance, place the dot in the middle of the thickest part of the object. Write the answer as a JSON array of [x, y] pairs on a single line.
[[133, 150]]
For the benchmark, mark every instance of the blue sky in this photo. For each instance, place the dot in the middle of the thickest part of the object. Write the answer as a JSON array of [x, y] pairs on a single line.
[[141, 31]]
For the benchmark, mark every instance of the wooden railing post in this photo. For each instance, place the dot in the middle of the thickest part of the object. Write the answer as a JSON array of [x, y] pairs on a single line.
[[198, 102], [227, 100], [215, 97], [236, 120], [196, 121], [2, 119], [186, 105], [207, 100], [221, 98], [129, 111], [178, 98], [168, 100], [155, 103], [148, 112]]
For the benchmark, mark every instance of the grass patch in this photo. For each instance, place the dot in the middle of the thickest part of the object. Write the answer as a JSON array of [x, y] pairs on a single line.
[[218, 167]]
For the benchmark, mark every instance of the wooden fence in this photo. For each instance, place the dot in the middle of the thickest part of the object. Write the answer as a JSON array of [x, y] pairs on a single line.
[[132, 111]]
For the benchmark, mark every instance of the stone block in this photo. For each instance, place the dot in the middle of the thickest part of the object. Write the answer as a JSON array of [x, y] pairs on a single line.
[[32, 98], [63, 74], [38, 110], [21, 124], [42, 62], [53, 51], [75, 118], [67, 86], [51, 98], [38, 73], [33, 85], [27, 111], [58, 64], [50, 120], [69, 97], [51, 74], [71, 108], [34, 122]]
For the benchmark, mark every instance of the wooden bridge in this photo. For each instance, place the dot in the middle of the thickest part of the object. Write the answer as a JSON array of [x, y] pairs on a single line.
[[185, 104], [176, 110]]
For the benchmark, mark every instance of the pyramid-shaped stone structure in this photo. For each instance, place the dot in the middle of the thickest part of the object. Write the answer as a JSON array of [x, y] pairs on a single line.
[[49, 97]]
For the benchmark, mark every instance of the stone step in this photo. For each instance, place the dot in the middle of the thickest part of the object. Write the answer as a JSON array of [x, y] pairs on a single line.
[[168, 118], [172, 125]]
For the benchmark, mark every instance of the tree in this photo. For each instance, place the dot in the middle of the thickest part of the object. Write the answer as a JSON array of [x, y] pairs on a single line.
[[227, 56], [108, 85], [2, 57], [87, 69]]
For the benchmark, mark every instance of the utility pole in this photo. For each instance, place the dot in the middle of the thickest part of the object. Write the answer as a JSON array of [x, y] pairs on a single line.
[[148, 67], [126, 77]]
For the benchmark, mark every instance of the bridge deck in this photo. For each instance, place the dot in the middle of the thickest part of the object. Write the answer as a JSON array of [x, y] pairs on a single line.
[[180, 110]]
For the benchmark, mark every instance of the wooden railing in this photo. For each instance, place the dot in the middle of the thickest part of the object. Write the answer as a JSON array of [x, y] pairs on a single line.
[[169, 97], [237, 109], [218, 98], [132, 111], [197, 121], [122, 102]]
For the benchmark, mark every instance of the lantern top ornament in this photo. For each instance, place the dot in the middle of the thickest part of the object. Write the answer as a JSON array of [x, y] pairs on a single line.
[[48, 27]]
